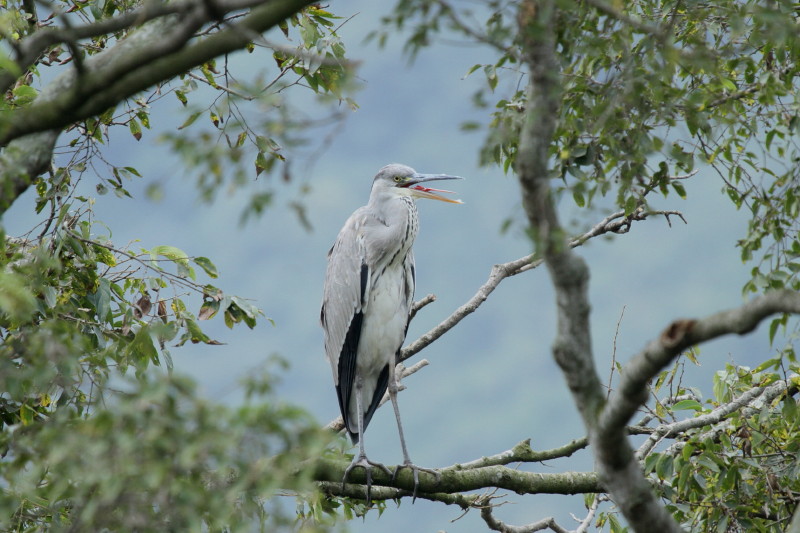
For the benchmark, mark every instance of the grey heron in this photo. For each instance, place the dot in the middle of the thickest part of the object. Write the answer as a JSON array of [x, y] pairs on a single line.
[[369, 290]]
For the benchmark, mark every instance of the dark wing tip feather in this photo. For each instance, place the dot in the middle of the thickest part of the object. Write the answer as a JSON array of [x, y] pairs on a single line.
[[380, 390], [347, 369], [364, 279]]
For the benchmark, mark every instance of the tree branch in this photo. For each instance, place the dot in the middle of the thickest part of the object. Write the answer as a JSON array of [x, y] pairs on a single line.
[[21, 161], [497, 525], [683, 334], [717, 415], [626, 19], [750, 408], [356, 492], [29, 49], [572, 348], [154, 53], [616, 222], [523, 453], [455, 480]]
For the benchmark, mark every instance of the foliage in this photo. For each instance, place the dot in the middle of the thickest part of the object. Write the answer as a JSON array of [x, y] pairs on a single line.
[[651, 92], [738, 474], [238, 145], [156, 457], [93, 434]]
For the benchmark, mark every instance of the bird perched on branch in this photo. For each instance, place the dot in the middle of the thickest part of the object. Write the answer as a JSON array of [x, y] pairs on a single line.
[[369, 290]]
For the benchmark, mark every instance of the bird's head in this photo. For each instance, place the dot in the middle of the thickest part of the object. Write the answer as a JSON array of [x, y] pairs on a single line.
[[402, 180]]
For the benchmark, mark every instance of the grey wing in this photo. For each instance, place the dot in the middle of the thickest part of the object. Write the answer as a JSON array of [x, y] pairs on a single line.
[[346, 286]]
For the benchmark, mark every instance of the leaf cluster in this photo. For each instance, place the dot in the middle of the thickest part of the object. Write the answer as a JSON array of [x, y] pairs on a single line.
[[651, 92], [156, 457], [740, 473], [93, 434], [75, 309]]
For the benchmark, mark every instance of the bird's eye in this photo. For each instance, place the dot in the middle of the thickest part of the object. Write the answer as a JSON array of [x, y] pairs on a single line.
[[398, 179]]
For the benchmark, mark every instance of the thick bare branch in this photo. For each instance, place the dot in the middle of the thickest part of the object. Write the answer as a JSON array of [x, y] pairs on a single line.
[[32, 47], [683, 334], [497, 525], [155, 53], [523, 453], [350, 490], [751, 408], [616, 222], [572, 349], [717, 415], [454, 480], [21, 161], [616, 462]]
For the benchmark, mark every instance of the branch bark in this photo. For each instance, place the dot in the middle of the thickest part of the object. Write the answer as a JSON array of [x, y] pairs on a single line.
[[455, 479], [21, 161], [683, 334], [616, 222], [619, 470], [155, 53], [497, 525]]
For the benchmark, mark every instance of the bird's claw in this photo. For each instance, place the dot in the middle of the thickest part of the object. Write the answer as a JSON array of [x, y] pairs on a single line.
[[415, 470], [367, 465]]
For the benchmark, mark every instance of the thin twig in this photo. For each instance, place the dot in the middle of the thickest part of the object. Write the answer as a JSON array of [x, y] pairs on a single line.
[[498, 525], [616, 222], [614, 353], [419, 304]]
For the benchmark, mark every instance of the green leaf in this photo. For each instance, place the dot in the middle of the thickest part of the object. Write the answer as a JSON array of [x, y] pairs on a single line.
[[196, 335], [473, 69], [9, 65], [101, 299], [189, 121], [262, 163], [24, 95], [143, 350], [775, 362], [16, 299], [176, 255], [664, 466], [679, 189], [136, 129], [208, 309], [631, 203], [170, 252], [580, 201], [182, 97], [491, 76], [728, 84], [685, 405], [207, 266]]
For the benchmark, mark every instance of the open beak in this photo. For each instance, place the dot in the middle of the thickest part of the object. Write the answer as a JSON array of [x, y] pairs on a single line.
[[420, 191]]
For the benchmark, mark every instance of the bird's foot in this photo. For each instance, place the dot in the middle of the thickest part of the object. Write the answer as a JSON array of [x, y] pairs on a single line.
[[362, 461], [415, 471]]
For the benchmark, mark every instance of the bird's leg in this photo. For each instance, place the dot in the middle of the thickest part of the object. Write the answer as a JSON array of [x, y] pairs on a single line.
[[361, 459], [393, 388]]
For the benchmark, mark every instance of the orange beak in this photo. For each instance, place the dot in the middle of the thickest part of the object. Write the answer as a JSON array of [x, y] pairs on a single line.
[[418, 191]]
